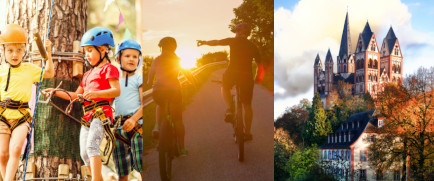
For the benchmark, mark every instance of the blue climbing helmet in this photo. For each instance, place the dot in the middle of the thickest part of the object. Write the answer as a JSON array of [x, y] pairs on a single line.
[[97, 36], [129, 44]]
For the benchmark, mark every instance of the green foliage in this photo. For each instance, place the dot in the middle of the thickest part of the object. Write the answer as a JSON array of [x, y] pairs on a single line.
[[317, 127], [301, 163], [147, 62], [212, 57], [259, 14], [345, 104], [283, 148], [110, 18]]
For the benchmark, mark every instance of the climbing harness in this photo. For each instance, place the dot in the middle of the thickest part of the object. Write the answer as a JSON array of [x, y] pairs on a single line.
[[97, 106], [15, 105], [120, 120]]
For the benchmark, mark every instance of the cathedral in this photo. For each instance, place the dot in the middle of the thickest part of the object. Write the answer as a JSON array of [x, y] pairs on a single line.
[[366, 68]]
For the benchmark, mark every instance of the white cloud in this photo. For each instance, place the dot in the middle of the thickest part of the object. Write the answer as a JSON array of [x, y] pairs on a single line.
[[157, 35], [168, 2], [314, 26]]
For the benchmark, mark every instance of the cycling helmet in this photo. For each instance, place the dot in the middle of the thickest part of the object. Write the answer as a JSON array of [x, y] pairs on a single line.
[[168, 43], [243, 27]]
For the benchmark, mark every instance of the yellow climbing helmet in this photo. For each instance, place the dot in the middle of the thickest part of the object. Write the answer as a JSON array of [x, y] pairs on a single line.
[[13, 33]]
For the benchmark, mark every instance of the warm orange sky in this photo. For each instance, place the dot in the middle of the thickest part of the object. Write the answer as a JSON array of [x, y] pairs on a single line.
[[186, 21]]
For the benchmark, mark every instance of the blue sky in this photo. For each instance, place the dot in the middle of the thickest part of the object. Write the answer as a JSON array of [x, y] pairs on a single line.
[[305, 28]]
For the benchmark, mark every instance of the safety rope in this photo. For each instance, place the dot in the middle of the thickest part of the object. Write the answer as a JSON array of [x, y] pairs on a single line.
[[36, 102]]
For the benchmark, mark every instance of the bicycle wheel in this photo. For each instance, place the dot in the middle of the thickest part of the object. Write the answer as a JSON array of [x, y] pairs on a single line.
[[165, 155]]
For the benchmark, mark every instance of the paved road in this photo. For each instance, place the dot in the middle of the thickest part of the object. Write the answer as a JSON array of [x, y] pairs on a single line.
[[212, 151]]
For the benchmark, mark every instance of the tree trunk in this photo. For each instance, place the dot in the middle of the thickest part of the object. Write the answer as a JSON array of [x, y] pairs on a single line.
[[56, 136], [404, 160]]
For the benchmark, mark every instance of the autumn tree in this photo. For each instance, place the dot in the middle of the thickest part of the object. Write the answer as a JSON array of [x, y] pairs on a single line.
[[407, 134], [293, 121]]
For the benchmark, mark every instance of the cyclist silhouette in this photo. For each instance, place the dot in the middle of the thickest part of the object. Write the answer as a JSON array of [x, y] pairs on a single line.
[[239, 71]]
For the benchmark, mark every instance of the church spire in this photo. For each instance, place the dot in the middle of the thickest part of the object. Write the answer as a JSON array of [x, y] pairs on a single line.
[[329, 58], [317, 60], [345, 48]]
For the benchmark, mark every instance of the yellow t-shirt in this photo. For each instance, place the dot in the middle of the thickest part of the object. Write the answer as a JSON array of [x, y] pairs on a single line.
[[20, 85]]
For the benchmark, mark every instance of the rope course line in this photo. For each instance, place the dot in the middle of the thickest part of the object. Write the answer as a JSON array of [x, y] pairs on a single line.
[[36, 102]]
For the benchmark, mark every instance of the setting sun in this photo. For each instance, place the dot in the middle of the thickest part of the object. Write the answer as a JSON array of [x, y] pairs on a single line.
[[188, 56]]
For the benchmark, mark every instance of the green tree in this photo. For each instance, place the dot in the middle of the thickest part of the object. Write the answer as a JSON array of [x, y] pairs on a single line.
[[212, 57], [283, 148], [301, 163], [317, 127], [304, 164]]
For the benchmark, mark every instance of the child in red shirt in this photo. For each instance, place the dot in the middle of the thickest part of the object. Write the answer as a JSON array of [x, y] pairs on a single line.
[[101, 85]]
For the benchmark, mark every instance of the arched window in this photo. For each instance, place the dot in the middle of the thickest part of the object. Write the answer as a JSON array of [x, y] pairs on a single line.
[[370, 63], [345, 60], [375, 64], [345, 68]]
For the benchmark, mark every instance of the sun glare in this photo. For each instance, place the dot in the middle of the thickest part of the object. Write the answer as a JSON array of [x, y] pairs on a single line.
[[188, 56]]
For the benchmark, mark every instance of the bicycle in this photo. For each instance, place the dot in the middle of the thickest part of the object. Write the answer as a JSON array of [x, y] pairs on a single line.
[[237, 119], [168, 147]]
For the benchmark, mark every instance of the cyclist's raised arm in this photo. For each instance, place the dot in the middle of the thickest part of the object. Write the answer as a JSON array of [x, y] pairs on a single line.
[[222, 42], [151, 74]]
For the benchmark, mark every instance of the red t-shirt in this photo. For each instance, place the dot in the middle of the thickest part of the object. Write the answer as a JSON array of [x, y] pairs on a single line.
[[97, 79]]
